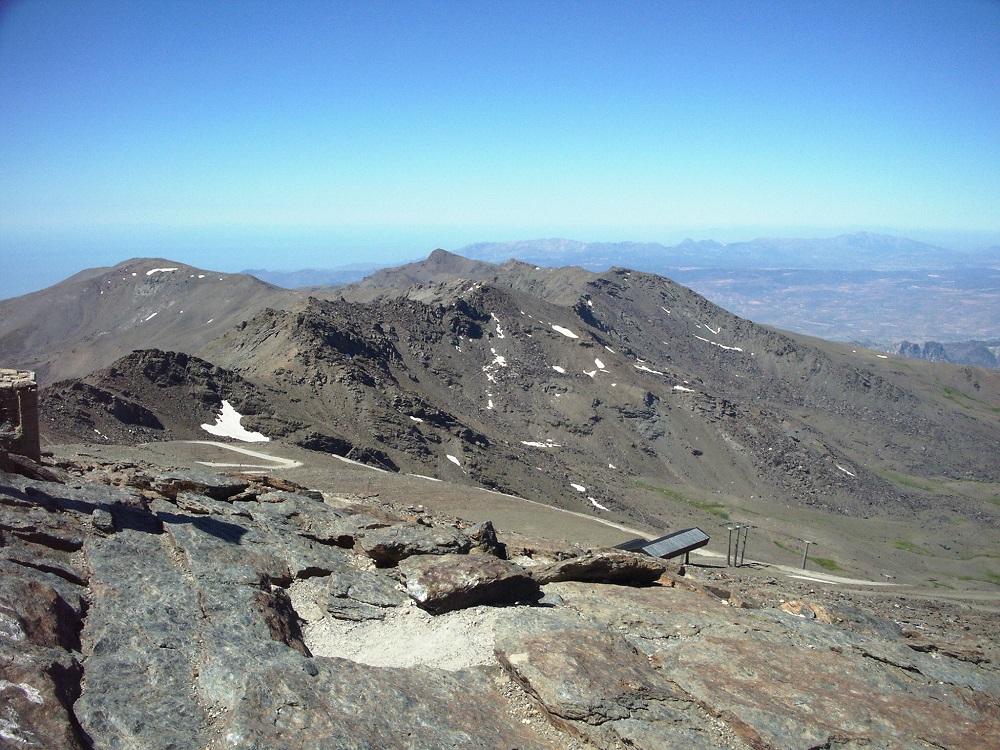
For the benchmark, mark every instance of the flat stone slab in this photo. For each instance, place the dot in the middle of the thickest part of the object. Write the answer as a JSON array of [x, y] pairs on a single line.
[[444, 583]]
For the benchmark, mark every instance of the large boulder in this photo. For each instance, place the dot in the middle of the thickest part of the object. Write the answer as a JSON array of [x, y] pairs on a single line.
[[602, 567], [388, 545], [441, 584]]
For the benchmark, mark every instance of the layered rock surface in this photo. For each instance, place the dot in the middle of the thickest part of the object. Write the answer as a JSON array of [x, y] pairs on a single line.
[[184, 611]]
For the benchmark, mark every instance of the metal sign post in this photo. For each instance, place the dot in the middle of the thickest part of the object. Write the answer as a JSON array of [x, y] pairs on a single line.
[[805, 553]]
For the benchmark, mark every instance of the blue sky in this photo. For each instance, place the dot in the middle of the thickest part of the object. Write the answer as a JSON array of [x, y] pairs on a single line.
[[291, 134]]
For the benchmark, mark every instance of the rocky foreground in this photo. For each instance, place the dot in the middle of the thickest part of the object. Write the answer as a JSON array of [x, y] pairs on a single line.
[[143, 608]]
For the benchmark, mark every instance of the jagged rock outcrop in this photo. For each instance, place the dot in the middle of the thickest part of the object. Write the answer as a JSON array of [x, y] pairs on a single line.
[[130, 619]]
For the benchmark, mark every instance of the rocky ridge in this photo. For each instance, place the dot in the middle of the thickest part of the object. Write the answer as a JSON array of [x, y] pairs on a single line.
[[152, 607]]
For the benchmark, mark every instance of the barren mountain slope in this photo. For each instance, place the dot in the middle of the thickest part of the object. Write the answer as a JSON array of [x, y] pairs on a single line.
[[620, 395], [639, 380], [97, 316], [152, 395]]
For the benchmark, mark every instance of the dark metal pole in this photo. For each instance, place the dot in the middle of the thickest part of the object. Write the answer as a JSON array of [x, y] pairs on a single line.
[[805, 553], [729, 549], [743, 552]]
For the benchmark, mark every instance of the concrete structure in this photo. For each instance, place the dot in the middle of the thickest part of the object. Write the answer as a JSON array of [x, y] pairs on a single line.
[[19, 414]]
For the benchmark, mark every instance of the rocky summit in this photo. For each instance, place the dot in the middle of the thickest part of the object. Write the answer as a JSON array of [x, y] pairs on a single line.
[[168, 607]]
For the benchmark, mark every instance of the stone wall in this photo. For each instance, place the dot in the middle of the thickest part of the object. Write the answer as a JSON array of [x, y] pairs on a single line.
[[19, 413]]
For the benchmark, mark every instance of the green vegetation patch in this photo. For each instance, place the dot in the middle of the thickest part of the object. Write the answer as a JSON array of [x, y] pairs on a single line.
[[965, 401], [988, 577], [905, 480], [717, 509], [911, 547], [826, 563], [782, 546]]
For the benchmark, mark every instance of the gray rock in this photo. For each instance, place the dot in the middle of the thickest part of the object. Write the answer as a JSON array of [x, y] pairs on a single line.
[[354, 594], [785, 681], [141, 644], [390, 544], [444, 583], [353, 706], [102, 521]]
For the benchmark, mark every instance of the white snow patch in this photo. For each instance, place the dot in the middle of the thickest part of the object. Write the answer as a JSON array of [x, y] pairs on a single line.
[[665, 310], [714, 331], [209, 321], [643, 368], [590, 302], [454, 460], [599, 363], [596, 504], [536, 444], [612, 466], [564, 331], [151, 271], [881, 356], [849, 473], [416, 419], [609, 348], [489, 404], [498, 361], [682, 388], [591, 373], [578, 487], [151, 317], [721, 346], [560, 370], [227, 424], [422, 476], [500, 334], [134, 273]]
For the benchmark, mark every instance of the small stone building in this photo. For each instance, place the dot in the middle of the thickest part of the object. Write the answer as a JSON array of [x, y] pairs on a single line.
[[19, 413]]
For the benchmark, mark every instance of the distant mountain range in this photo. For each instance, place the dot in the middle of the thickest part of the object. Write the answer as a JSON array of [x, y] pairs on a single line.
[[861, 250], [310, 277]]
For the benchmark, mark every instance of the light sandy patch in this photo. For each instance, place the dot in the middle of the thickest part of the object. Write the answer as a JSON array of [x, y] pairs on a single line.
[[407, 637]]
